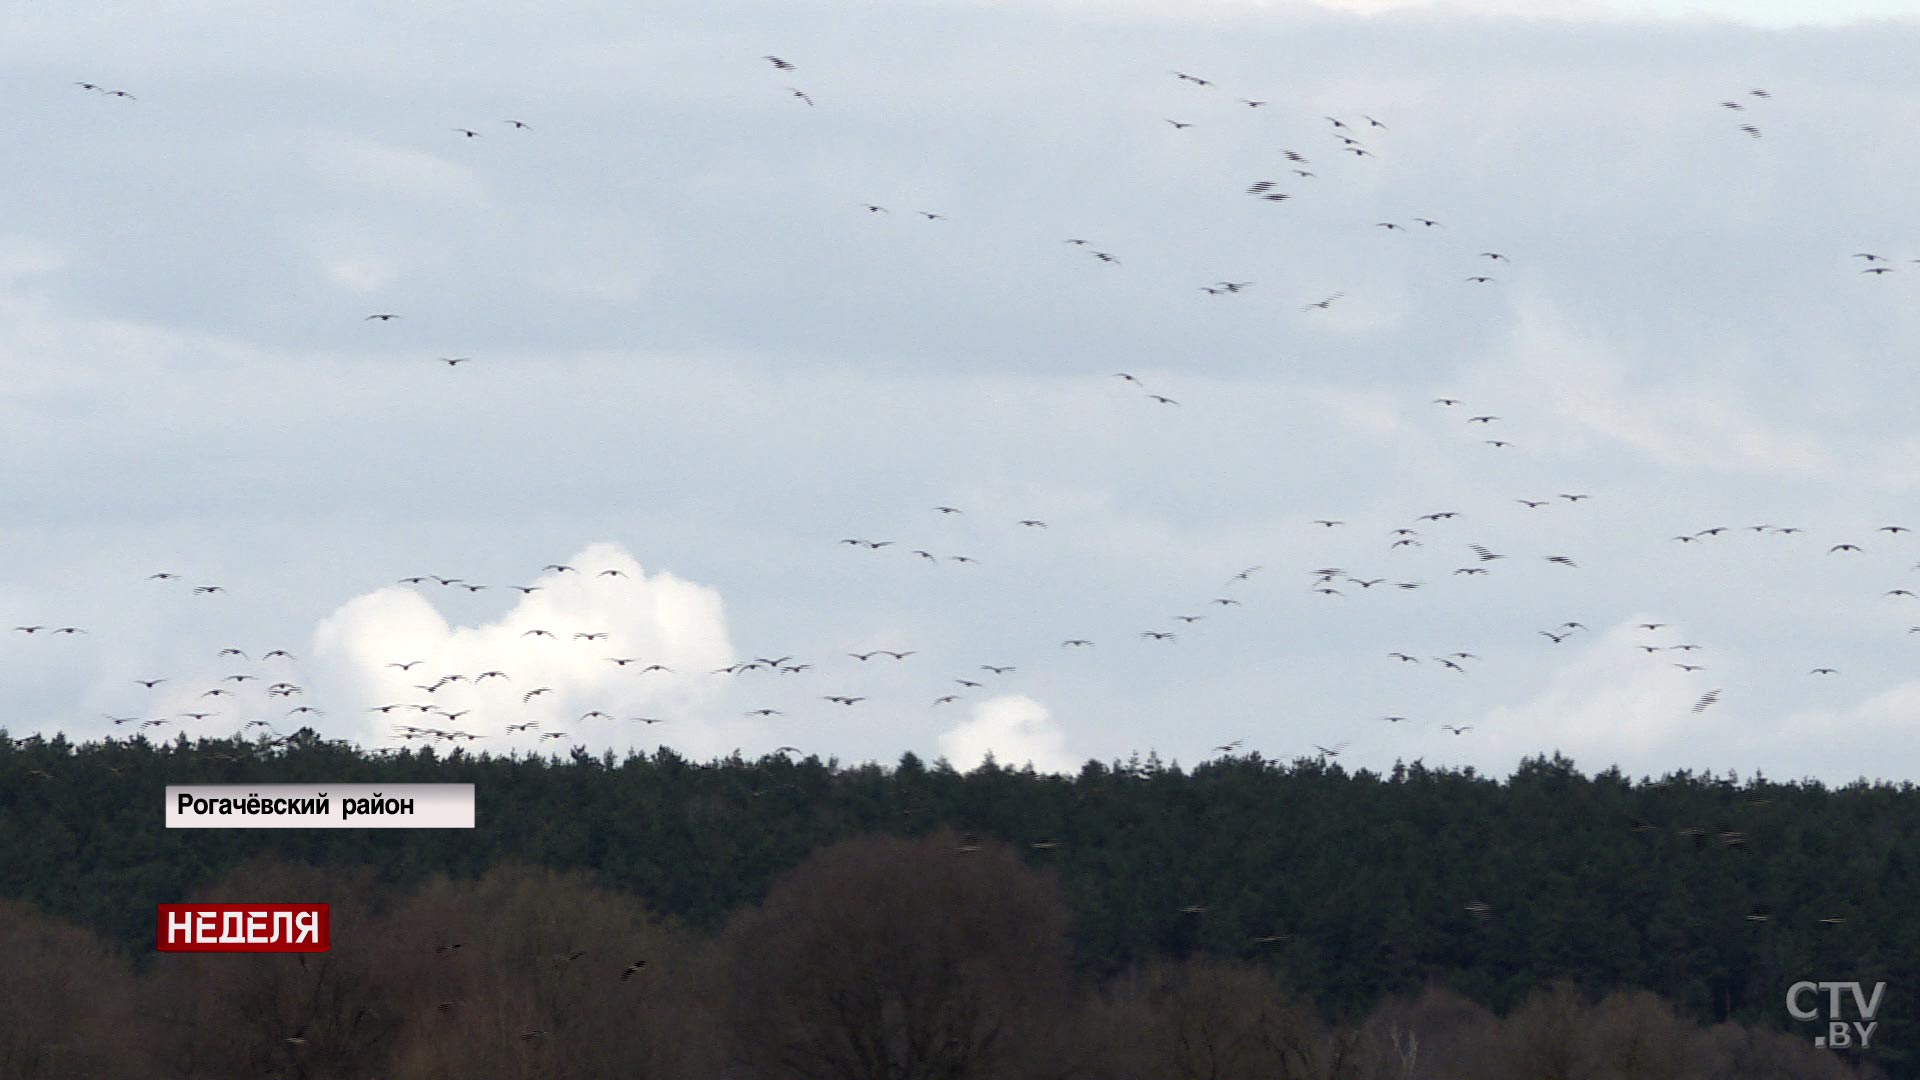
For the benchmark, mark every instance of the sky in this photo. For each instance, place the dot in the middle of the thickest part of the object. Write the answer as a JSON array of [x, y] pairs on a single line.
[[699, 364]]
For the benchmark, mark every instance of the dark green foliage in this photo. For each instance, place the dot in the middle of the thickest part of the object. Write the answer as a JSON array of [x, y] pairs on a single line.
[[1365, 880]]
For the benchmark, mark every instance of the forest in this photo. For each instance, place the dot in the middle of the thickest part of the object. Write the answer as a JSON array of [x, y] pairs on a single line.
[[654, 916]]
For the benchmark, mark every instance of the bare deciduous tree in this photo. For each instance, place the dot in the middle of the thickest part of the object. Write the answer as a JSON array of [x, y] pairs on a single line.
[[893, 959]]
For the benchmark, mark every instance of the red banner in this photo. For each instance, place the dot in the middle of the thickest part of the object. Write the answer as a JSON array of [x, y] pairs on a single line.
[[244, 928]]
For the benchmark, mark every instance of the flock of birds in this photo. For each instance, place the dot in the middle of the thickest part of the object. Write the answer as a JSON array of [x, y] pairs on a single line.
[[449, 706], [454, 707]]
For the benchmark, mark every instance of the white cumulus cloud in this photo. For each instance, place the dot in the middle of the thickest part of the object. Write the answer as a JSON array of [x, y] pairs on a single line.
[[1016, 730], [646, 619]]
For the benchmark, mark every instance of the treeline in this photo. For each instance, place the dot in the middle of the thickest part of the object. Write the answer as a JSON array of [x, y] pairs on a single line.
[[877, 959], [1713, 894]]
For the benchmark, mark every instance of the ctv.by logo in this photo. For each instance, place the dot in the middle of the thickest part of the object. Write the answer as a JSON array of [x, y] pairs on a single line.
[[1840, 1033]]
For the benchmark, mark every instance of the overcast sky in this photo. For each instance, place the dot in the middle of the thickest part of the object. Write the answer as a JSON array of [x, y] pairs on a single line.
[[699, 361]]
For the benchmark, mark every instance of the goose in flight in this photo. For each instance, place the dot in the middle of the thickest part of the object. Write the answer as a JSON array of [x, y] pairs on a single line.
[[1106, 257], [946, 699], [163, 576], [1706, 699], [534, 693], [1843, 547], [468, 132], [1690, 667], [1075, 643], [1560, 560], [1531, 504], [1163, 399], [1157, 635], [518, 125], [1194, 79], [1428, 222], [1480, 279], [1330, 751], [801, 95], [766, 712], [1033, 523], [455, 361], [1557, 638], [1250, 103], [1461, 730], [838, 700], [1177, 125], [208, 590], [1325, 304], [1823, 671], [1752, 132], [778, 63], [1878, 270], [1228, 748]]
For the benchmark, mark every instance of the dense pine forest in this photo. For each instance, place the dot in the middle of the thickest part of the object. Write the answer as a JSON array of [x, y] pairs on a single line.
[[1241, 917]]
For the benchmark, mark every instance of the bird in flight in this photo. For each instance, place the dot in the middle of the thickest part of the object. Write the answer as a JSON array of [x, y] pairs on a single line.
[[801, 94], [518, 125], [778, 63], [383, 316], [1462, 730]]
